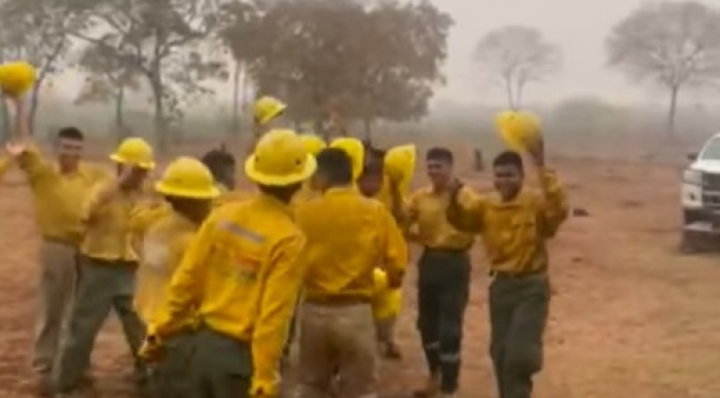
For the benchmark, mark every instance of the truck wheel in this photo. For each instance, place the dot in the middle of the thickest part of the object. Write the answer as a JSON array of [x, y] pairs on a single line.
[[691, 216]]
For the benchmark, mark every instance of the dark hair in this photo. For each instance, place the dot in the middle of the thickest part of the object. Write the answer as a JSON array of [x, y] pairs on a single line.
[[217, 160], [509, 158], [374, 167], [71, 133], [335, 165], [283, 193], [439, 153]]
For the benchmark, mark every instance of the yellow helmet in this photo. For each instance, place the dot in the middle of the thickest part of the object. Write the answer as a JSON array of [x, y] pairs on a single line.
[[355, 149], [266, 109], [313, 143], [134, 151], [280, 158], [16, 78], [519, 130], [400, 163], [187, 177]]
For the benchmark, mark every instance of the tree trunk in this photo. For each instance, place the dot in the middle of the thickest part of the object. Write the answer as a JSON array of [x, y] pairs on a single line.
[[235, 114], [672, 111], [519, 92], [33, 108], [6, 132], [120, 114], [509, 93], [156, 85], [367, 129]]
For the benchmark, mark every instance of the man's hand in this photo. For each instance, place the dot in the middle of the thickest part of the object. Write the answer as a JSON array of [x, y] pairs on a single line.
[[537, 153], [394, 280], [152, 350], [454, 188], [15, 148]]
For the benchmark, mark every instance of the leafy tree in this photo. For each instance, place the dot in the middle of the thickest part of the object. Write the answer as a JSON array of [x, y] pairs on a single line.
[[370, 61], [165, 41], [516, 56], [671, 44], [109, 79]]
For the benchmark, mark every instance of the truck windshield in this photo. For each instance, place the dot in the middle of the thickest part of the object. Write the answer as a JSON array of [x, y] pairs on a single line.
[[711, 151]]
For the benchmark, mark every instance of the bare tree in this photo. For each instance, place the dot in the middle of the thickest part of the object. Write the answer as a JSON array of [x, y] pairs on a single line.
[[516, 56], [671, 44]]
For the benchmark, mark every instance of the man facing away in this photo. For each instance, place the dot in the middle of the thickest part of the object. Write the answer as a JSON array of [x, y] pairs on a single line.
[[107, 264], [348, 235], [189, 189], [58, 189], [240, 276], [515, 223], [443, 274]]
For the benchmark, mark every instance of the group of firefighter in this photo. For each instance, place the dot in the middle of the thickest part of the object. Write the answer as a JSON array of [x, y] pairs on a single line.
[[211, 284]]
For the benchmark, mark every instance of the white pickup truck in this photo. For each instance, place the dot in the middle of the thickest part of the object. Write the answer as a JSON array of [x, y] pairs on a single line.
[[700, 190]]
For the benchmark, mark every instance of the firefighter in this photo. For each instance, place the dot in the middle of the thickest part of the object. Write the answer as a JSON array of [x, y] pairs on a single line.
[[240, 276], [188, 187], [107, 264], [348, 236], [58, 187], [515, 224], [443, 273]]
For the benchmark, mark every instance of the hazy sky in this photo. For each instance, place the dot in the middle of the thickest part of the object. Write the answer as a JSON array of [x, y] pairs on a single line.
[[578, 26]]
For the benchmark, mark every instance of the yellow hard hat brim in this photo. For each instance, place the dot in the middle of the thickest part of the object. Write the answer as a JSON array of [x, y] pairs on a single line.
[[274, 180], [143, 165], [168, 190], [271, 115]]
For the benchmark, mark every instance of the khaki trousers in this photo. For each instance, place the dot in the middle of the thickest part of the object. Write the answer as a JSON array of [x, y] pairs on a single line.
[[56, 291], [341, 338]]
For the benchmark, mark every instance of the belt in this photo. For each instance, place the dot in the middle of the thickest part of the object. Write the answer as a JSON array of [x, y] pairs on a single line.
[[517, 275], [446, 250], [61, 241], [338, 300]]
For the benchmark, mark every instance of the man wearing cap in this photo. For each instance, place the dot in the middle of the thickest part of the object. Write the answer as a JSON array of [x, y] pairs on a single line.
[[107, 264], [240, 275], [58, 189], [189, 189]]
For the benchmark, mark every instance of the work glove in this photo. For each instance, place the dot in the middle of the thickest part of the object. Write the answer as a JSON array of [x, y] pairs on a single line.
[[152, 350]]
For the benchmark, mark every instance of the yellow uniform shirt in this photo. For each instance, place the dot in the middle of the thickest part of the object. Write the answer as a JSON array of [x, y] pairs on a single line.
[[163, 247], [230, 196], [515, 233], [386, 301], [305, 194], [348, 235], [240, 274], [426, 210], [109, 226], [58, 197]]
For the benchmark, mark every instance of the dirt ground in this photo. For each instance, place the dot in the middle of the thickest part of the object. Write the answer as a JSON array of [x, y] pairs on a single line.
[[630, 316]]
